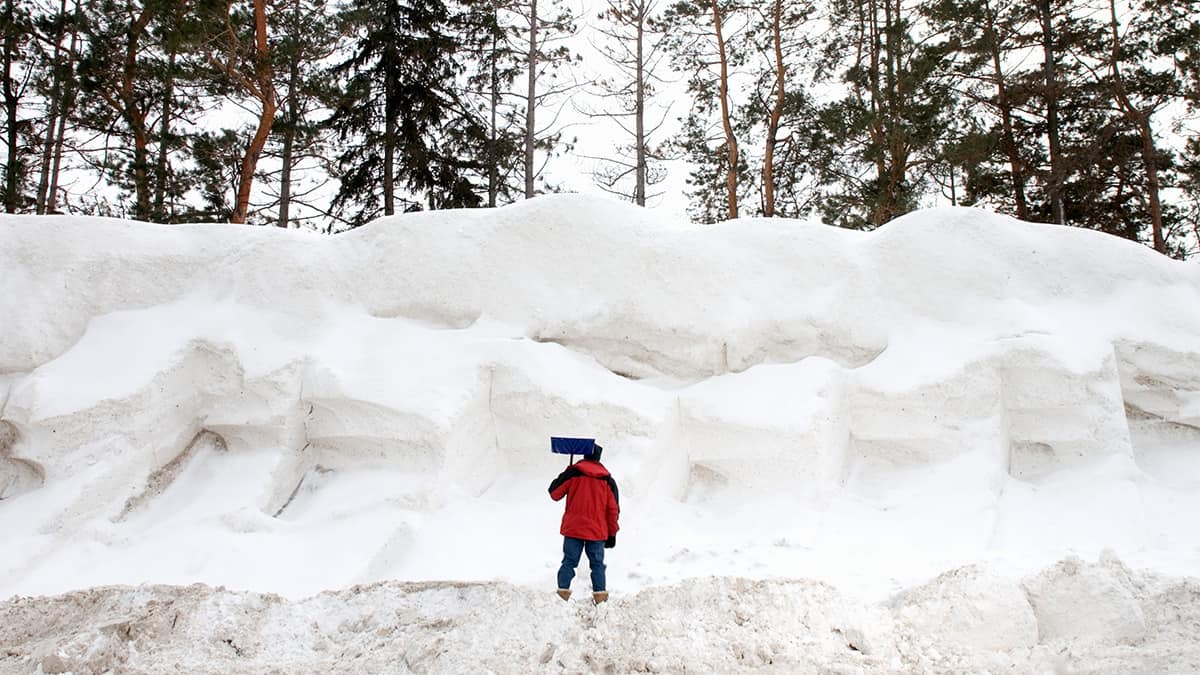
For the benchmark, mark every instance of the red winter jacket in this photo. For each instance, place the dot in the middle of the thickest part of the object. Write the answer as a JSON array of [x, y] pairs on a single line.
[[592, 501]]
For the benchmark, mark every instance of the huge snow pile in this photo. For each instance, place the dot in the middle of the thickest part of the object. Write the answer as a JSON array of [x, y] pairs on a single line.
[[282, 412], [963, 621]]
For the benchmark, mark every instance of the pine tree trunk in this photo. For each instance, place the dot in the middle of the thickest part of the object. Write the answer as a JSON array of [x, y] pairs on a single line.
[[141, 157], [13, 163], [285, 174], [135, 117], [731, 147], [55, 111], [877, 126], [289, 133], [1050, 77], [264, 91], [896, 148], [68, 95], [639, 187], [776, 113], [492, 154], [1150, 157], [160, 189], [389, 146], [1140, 119], [141, 171], [285, 180], [1006, 120], [530, 102]]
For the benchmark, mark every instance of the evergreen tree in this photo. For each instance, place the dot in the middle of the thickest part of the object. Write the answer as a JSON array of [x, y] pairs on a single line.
[[118, 96], [307, 39], [779, 33], [216, 155], [490, 36], [136, 69], [874, 148], [1185, 34], [1096, 173], [545, 27], [697, 36], [1146, 75], [995, 146], [493, 45], [60, 31], [176, 74], [241, 56], [491, 40], [16, 25], [401, 103]]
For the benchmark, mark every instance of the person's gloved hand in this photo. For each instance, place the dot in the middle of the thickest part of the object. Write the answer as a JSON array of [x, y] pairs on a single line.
[[611, 542]]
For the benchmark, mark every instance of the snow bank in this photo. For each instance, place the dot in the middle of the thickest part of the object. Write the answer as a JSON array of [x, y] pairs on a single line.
[[283, 412], [708, 625]]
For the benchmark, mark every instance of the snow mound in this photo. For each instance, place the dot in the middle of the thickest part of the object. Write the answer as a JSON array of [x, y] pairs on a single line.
[[711, 624], [972, 607], [1093, 603], [276, 411]]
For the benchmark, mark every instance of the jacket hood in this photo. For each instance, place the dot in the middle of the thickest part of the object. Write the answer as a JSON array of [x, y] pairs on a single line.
[[590, 467]]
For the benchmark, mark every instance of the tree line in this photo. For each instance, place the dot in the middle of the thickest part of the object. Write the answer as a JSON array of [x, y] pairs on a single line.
[[1078, 112], [182, 110], [328, 113]]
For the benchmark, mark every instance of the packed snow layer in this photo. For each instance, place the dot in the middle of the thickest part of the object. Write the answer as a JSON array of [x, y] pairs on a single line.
[[966, 620], [283, 412]]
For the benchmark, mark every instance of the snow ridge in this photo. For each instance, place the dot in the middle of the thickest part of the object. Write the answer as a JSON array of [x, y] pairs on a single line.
[[966, 620], [283, 412]]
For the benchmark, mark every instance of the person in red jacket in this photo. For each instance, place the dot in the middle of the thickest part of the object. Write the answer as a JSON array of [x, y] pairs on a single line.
[[589, 522]]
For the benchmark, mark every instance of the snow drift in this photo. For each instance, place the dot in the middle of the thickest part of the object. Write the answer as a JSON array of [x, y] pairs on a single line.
[[965, 620], [285, 412]]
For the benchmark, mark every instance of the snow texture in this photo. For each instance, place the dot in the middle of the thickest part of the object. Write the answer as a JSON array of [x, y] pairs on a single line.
[[959, 429], [727, 624]]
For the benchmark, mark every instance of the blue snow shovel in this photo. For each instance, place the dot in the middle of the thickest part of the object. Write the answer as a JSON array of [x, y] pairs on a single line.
[[572, 446]]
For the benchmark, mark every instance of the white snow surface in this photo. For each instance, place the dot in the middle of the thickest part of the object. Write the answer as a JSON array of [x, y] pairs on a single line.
[[959, 442]]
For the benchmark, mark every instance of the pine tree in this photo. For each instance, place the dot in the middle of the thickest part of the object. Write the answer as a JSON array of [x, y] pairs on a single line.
[[306, 40], [545, 26], [15, 28], [175, 34], [880, 141], [1185, 38], [632, 45], [1052, 141], [995, 147], [242, 58], [143, 71], [117, 93], [59, 30], [216, 155], [492, 41], [697, 32], [1143, 80], [779, 32], [1099, 172], [401, 101]]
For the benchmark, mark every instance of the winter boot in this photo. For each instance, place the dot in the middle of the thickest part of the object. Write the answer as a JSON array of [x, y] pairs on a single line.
[[564, 593], [599, 597]]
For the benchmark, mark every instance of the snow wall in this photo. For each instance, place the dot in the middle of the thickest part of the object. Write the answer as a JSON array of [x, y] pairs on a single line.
[[288, 412]]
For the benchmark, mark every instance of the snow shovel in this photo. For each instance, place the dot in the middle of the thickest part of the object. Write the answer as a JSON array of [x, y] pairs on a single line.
[[572, 446]]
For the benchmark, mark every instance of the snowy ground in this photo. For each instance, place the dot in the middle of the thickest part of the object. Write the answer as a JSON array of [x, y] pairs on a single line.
[[959, 442], [1071, 617]]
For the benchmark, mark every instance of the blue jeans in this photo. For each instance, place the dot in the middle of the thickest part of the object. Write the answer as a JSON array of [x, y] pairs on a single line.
[[572, 548]]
